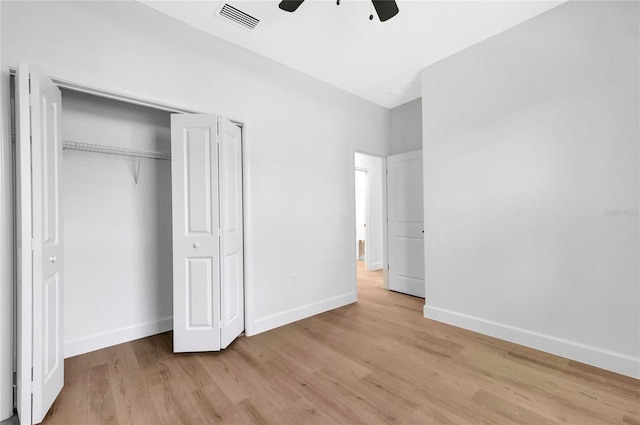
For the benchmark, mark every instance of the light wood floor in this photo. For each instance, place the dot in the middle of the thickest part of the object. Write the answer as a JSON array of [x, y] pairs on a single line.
[[374, 362]]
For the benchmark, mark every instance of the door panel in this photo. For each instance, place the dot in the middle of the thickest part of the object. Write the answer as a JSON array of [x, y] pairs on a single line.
[[23, 254], [40, 229], [52, 328], [198, 145], [406, 236], [200, 311], [196, 288], [231, 242]]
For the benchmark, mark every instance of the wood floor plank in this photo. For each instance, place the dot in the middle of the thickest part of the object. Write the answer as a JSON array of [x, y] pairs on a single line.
[[227, 377], [378, 361], [505, 411], [259, 384], [303, 412]]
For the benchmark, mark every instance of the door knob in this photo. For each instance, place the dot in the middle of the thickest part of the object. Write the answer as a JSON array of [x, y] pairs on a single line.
[[52, 259], [195, 245]]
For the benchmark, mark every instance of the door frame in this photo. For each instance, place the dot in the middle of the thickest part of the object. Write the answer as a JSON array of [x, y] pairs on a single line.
[[23, 279], [385, 256], [65, 81], [366, 212]]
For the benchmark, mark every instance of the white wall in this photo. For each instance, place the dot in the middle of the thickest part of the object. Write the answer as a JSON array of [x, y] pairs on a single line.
[[530, 143], [300, 134], [374, 248], [405, 125], [117, 237]]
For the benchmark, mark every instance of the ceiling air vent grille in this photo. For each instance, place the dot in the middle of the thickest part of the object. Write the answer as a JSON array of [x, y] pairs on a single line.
[[238, 16]]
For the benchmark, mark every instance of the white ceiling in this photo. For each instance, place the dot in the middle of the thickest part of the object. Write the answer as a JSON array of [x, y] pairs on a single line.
[[379, 61]]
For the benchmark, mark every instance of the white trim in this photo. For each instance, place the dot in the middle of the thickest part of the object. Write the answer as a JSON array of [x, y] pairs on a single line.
[[128, 97], [246, 227], [385, 227], [117, 336], [100, 89], [366, 215], [376, 266], [7, 229], [24, 277], [353, 268], [605, 359], [289, 316]]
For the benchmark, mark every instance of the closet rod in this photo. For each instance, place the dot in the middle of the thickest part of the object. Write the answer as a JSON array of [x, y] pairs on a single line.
[[112, 150]]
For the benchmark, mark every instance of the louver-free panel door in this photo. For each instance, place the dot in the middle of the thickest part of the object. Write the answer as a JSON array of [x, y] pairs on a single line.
[[196, 273], [40, 257], [231, 240], [406, 229]]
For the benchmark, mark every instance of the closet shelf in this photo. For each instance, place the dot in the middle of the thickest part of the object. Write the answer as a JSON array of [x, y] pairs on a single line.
[[112, 150]]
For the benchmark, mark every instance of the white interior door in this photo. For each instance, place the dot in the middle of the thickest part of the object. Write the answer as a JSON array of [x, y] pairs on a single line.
[[231, 226], [406, 218], [196, 266], [40, 254]]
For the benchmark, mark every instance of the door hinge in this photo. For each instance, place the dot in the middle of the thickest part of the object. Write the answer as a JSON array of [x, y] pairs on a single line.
[[15, 390]]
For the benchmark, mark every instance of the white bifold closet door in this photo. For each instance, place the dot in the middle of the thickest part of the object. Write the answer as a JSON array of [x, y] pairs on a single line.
[[208, 281], [40, 373]]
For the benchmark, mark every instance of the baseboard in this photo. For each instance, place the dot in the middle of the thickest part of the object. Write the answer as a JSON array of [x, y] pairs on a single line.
[[605, 359], [375, 266], [115, 337], [289, 316]]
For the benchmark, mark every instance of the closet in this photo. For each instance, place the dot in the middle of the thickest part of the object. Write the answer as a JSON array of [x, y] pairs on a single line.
[[116, 211], [134, 217]]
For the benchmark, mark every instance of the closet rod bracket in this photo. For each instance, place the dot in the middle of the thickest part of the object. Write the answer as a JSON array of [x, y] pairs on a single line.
[[137, 176]]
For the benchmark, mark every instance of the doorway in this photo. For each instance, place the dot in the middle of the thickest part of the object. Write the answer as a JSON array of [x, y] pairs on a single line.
[[369, 213]]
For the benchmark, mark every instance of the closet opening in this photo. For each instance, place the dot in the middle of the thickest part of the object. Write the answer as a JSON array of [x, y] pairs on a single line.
[[97, 202], [116, 219]]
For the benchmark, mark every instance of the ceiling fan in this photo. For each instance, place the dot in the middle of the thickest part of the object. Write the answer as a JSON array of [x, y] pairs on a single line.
[[386, 9]]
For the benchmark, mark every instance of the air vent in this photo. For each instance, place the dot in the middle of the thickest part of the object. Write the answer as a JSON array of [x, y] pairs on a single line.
[[238, 16]]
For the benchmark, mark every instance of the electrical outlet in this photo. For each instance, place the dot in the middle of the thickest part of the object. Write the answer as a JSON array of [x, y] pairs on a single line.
[[294, 279]]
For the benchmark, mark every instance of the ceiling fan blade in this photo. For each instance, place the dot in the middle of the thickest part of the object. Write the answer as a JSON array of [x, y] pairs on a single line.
[[386, 9], [290, 5]]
